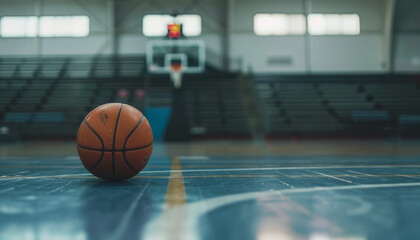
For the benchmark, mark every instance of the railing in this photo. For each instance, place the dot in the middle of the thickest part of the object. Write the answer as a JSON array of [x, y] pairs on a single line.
[[95, 66], [72, 67]]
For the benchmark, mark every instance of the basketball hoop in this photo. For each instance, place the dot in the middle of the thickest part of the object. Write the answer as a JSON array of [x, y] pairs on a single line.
[[176, 74]]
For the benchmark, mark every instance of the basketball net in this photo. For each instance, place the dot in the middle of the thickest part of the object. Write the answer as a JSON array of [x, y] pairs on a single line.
[[176, 74]]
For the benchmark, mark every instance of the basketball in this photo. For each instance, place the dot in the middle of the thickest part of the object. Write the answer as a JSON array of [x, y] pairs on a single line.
[[115, 141]]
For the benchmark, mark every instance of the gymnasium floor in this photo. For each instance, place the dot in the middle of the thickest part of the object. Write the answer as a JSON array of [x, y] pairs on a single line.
[[316, 190]]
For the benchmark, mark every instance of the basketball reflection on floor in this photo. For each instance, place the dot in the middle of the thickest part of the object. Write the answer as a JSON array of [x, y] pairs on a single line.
[[112, 210]]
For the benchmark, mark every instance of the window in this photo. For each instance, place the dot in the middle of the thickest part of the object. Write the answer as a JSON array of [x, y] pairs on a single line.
[[295, 24], [279, 24], [45, 26], [19, 26], [334, 24], [157, 25], [64, 26], [191, 24]]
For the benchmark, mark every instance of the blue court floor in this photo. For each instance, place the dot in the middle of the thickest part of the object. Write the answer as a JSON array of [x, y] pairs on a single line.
[[334, 196]]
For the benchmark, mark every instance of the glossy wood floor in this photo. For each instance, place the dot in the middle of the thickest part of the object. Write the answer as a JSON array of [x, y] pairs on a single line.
[[241, 190]]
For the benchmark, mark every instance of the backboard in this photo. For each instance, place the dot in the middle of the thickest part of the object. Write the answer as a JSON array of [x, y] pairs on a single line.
[[189, 53]]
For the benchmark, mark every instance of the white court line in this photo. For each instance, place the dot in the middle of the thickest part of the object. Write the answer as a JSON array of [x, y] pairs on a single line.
[[221, 170], [184, 157], [281, 168], [156, 229], [37, 177], [367, 174], [336, 178]]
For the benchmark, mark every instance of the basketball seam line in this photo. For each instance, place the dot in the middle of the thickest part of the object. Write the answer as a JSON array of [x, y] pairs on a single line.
[[117, 150], [102, 142], [125, 143], [99, 137], [113, 141]]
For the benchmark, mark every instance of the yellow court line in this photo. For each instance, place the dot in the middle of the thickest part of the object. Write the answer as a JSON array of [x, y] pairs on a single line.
[[175, 194], [175, 197]]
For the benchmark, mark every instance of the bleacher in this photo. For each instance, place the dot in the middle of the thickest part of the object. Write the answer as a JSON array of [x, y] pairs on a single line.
[[400, 97], [339, 106], [214, 106], [49, 97]]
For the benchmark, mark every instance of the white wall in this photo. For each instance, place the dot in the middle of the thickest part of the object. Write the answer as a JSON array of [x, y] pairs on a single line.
[[407, 52], [407, 36], [362, 53], [94, 43], [257, 50], [128, 23]]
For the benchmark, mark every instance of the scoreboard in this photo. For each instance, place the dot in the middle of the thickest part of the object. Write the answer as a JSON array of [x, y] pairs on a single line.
[[174, 31]]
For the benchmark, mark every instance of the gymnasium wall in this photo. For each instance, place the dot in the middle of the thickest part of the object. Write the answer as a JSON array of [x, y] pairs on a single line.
[[361, 53], [125, 15], [129, 23], [228, 32], [407, 36], [95, 43]]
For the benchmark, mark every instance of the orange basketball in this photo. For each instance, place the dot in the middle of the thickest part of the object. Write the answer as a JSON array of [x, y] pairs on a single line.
[[115, 141]]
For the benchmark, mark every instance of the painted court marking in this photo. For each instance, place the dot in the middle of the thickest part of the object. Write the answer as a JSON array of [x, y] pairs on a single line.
[[333, 177], [198, 157], [175, 193], [157, 228], [179, 170], [175, 197], [50, 176], [283, 168]]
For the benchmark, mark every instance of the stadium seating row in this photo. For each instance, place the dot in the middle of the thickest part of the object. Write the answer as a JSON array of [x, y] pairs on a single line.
[[49, 97], [340, 106]]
